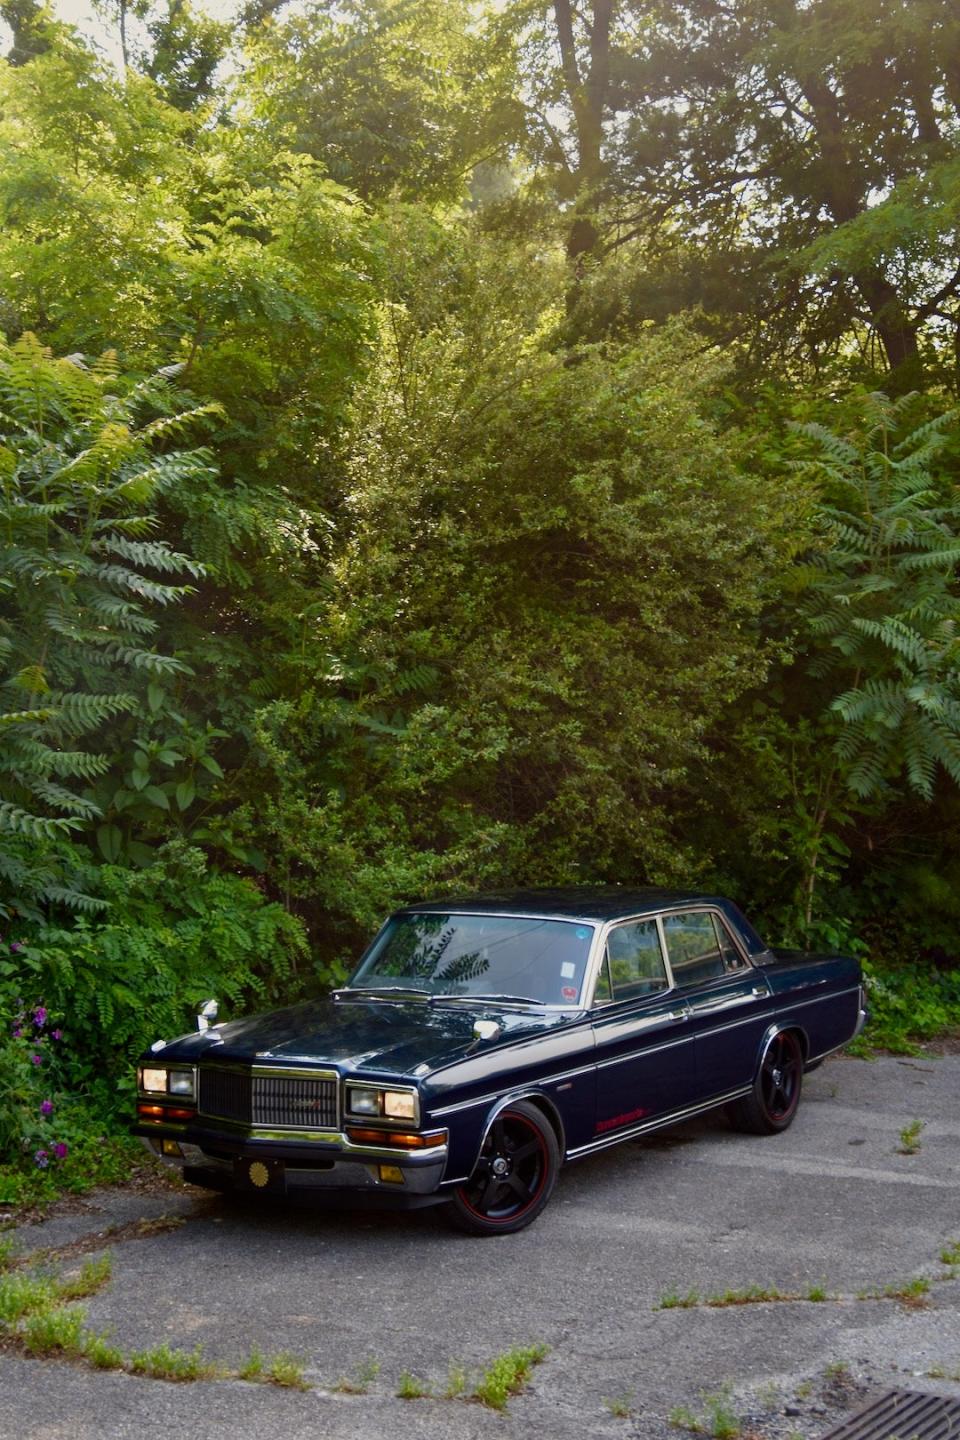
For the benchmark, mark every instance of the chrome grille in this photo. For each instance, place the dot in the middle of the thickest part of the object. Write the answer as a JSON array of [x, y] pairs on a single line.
[[293, 1101]]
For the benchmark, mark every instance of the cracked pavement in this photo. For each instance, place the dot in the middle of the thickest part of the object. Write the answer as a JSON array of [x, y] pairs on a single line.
[[829, 1205]]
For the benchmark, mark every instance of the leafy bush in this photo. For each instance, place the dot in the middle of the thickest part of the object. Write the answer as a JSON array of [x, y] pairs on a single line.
[[175, 933]]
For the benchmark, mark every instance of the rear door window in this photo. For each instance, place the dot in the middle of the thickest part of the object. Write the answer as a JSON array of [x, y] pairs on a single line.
[[693, 948]]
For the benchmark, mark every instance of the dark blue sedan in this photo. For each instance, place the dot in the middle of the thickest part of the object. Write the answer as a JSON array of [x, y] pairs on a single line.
[[483, 1041]]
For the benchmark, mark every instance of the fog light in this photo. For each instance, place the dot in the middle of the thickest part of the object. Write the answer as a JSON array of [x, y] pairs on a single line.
[[170, 1147], [392, 1174]]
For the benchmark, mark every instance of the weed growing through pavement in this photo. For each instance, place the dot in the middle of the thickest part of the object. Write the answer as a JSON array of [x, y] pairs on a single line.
[[361, 1382], [456, 1382], [166, 1363], [620, 1405], [673, 1301], [94, 1275], [910, 1138], [836, 1370], [911, 1293], [411, 1387], [252, 1367], [950, 1254], [507, 1375], [57, 1331], [286, 1371], [100, 1354], [719, 1419], [22, 1295]]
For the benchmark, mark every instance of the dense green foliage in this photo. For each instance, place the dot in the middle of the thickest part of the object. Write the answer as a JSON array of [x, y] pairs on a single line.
[[448, 446]]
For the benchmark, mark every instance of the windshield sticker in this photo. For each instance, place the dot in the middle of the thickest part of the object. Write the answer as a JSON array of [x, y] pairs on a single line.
[[582, 932], [567, 970], [569, 992]]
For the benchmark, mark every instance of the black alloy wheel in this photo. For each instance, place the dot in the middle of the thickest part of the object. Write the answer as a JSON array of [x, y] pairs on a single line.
[[772, 1104], [514, 1175]]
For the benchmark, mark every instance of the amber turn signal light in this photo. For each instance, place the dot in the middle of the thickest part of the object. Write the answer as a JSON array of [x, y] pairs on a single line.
[[165, 1112], [399, 1139]]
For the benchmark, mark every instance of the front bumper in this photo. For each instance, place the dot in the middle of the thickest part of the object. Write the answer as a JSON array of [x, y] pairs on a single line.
[[322, 1167]]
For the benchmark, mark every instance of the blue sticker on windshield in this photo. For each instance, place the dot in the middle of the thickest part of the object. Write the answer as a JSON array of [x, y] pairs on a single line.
[[582, 932]]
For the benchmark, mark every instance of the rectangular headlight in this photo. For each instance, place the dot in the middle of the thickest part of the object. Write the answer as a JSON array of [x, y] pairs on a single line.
[[400, 1105], [363, 1102], [181, 1082], [153, 1081]]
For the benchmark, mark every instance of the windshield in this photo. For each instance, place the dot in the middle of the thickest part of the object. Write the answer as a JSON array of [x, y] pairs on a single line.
[[480, 955]]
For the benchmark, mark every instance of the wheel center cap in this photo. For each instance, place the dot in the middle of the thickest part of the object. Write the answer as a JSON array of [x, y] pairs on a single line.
[[500, 1166], [777, 1076]]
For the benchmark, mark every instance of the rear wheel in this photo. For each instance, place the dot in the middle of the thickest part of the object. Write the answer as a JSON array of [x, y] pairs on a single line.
[[772, 1104], [514, 1176]]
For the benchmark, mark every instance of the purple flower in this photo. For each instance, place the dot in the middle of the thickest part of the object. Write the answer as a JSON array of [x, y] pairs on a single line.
[[17, 1032], [60, 1150], [15, 946], [40, 1016], [46, 1108], [42, 1159], [36, 1059], [57, 1034]]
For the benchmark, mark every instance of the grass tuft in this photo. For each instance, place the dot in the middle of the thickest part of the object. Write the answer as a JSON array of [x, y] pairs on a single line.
[[57, 1331], [22, 1295], [286, 1371], [910, 1138], [507, 1375], [361, 1382], [410, 1387], [252, 1367], [673, 1301], [164, 1363], [620, 1405], [456, 1383], [94, 1274], [950, 1254], [720, 1419], [98, 1352]]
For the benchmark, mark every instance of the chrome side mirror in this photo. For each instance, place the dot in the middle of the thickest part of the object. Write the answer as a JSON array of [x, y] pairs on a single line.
[[208, 1013]]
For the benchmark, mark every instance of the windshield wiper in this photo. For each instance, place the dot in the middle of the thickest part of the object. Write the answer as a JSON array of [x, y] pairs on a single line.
[[485, 999], [380, 992]]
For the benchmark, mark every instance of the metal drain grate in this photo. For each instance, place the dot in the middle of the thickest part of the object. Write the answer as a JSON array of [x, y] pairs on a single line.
[[901, 1415]]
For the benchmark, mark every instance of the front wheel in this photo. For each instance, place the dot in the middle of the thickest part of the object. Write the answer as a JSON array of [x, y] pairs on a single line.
[[514, 1177], [772, 1104]]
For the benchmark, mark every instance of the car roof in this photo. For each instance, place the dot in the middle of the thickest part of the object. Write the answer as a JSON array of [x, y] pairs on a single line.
[[585, 902]]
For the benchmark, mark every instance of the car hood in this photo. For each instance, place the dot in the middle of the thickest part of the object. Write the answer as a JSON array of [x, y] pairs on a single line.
[[378, 1036]]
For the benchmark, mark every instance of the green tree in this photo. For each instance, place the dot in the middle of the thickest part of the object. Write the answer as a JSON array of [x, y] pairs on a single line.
[[546, 593], [79, 470], [395, 98], [802, 158]]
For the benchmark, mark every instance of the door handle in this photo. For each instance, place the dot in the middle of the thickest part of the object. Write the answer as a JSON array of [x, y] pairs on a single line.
[[760, 990], [679, 1014]]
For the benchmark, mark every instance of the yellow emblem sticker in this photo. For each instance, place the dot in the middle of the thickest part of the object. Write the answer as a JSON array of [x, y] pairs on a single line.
[[259, 1174]]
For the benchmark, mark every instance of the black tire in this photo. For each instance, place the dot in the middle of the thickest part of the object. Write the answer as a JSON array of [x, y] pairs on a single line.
[[772, 1104], [514, 1176]]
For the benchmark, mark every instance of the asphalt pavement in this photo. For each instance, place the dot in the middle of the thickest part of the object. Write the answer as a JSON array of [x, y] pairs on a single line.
[[830, 1213]]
